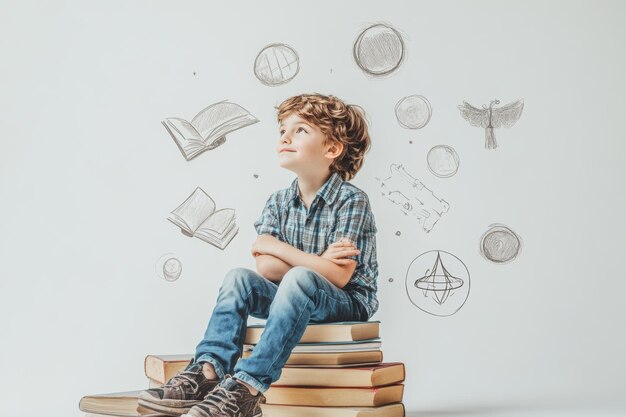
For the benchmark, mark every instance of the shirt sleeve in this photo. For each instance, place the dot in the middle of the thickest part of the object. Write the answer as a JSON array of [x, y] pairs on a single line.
[[268, 223], [355, 222]]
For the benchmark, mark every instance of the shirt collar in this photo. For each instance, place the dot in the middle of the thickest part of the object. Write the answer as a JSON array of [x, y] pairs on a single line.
[[328, 191]]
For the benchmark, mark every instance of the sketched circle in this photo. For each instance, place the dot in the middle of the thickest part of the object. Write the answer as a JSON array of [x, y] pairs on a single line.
[[443, 161], [500, 244], [413, 112], [378, 50], [427, 300], [168, 267], [276, 64]]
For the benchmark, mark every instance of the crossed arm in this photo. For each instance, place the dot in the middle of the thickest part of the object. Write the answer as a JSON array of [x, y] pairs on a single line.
[[274, 258]]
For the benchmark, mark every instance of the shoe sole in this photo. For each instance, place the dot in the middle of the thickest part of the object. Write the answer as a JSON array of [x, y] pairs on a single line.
[[260, 414], [168, 407]]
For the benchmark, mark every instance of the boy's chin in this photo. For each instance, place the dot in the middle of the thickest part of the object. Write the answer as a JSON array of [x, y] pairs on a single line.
[[291, 167], [287, 165]]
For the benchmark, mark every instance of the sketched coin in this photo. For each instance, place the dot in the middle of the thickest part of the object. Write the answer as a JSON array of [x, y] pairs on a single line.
[[168, 267], [413, 112], [443, 161], [276, 64]]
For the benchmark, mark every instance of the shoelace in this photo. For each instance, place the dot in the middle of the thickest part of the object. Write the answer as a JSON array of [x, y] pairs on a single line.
[[223, 400], [185, 380]]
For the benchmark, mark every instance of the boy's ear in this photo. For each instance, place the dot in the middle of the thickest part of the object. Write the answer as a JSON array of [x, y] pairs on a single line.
[[334, 149]]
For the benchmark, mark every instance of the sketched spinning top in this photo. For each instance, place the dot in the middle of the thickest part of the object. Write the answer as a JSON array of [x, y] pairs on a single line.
[[439, 281], [491, 117]]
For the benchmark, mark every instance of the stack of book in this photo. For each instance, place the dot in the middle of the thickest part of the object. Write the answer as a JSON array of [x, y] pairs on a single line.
[[336, 370]]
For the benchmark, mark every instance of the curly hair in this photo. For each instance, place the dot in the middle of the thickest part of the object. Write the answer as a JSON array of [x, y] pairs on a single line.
[[340, 122]]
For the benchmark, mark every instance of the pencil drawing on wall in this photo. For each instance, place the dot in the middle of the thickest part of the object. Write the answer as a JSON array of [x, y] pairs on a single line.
[[169, 267], [276, 64], [490, 117], [197, 217], [499, 244], [438, 283], [442, 161], [412, 197], [379, 50], [208, 129], [413, 112]]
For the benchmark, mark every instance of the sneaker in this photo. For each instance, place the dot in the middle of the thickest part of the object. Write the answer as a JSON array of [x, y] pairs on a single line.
[[181, 392], [230, 398]]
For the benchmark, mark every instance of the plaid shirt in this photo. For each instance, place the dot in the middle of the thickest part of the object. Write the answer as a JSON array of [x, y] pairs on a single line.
[[338, 210]]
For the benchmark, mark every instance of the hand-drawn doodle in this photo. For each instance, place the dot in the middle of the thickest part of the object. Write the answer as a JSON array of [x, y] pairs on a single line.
[[500, 244], [413, 197], [379, 50], [413, 112], [276, 64], [168, 267], [208, 129], [491, 117], [197, 217], [438, 283], [443, 161]]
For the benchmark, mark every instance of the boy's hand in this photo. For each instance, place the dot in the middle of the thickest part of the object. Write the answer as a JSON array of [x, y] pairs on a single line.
[[263, 245], [338, 251]]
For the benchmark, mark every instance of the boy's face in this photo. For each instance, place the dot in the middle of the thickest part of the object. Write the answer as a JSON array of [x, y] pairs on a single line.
[[301, 146]]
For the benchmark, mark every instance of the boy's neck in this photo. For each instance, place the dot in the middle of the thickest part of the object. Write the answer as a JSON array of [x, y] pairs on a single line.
[[309, 185]]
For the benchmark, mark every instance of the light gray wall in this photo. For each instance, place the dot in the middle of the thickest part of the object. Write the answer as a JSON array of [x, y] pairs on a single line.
[[88, 176]]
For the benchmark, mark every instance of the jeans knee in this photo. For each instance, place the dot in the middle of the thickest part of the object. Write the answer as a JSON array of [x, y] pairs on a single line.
[[236, 277], [300, 278]]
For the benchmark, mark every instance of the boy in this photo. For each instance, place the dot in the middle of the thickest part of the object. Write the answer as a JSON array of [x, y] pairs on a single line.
[[315, 259]]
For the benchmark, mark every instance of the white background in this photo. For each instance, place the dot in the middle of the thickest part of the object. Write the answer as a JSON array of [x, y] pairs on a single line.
[[88, 175]]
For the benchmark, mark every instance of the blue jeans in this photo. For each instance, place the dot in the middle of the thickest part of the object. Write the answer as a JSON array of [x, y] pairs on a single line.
[[301, 297]]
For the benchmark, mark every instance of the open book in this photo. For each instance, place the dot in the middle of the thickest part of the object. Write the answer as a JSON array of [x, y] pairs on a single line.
[[197, 217], [208, 129], [118, 403]]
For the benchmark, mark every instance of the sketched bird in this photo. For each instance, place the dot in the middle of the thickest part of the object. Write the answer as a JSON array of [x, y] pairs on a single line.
[[492, 117]]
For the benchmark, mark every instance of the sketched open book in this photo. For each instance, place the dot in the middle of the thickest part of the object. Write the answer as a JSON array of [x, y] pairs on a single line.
[[208, 129], [197, 217]]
